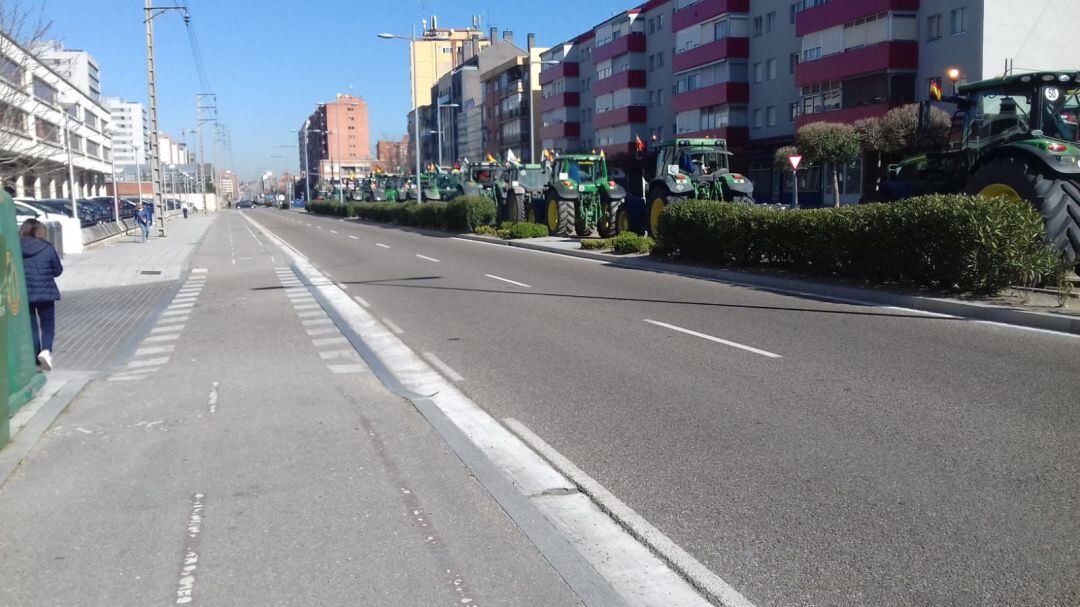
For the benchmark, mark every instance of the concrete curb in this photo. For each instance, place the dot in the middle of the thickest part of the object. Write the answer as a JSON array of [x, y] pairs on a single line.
[[951, 307]]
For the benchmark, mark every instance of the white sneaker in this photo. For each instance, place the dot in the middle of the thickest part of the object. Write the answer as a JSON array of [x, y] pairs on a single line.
[[45, 358]]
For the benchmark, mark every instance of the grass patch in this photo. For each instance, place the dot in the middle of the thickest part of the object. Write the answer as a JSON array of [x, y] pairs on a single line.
[[628, 242], [596, 244]]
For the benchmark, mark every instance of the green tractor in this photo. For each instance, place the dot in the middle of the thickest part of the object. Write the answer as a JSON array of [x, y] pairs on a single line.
[[693, 169], [478, 179], [438, 186], [580, 199], [518, 190], [1017, 137], [386, 188]]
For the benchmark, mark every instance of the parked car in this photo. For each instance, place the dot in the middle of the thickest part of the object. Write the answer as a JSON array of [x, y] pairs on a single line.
[[97, 212], [245, 204], [61, 206], [29, 207]]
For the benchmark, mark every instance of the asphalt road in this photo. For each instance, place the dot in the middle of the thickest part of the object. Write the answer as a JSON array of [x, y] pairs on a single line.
[[808, 452], [246, 456]]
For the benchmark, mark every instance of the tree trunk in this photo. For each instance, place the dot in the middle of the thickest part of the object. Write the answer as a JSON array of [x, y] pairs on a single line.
[[836, 186]]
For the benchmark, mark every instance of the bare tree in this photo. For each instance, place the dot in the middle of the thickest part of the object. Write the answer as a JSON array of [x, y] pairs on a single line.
[[29, 143]]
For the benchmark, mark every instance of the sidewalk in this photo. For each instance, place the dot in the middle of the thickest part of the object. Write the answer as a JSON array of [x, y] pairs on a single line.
[[255, 460]]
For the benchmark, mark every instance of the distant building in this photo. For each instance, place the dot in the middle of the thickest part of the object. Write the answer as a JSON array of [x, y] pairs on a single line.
[[334, 141], [511, 93], [228, 186], [131, 134], [392, 156]]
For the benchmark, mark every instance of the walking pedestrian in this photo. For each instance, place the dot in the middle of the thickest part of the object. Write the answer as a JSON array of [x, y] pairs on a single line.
[[41, 265], [142, 219]]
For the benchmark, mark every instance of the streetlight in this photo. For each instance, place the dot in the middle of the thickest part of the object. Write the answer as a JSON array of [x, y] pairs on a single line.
[[416, 85], [438, 121], [65, 108], [109, 132]]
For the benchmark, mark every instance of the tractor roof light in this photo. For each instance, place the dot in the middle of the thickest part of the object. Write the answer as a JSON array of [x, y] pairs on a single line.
[[1047, 77], [1064, 78], [953, 74]]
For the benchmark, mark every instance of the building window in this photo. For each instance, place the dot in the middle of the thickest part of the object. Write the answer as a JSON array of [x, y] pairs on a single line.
[[793, 60], [770, 115], [757, 118], [11, 71], [660, 59], [811, 54], [770, 22], [652, 63], [958, 21], [822, 97], [793, 111], [757, 72], [757, 26], [792, 11], [660, 97], [652, 26], [770, 69], [13, 119], [933, 28], [660, 22], [47, 131], [44, 92]]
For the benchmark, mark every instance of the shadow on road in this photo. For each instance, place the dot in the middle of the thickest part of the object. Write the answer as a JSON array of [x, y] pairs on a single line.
[[393, 283]]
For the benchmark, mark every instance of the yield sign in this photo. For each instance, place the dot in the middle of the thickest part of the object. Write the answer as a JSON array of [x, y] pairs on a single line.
[[794, 160]]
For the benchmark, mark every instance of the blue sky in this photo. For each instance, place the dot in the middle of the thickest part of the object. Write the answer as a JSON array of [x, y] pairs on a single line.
[[271, 61]]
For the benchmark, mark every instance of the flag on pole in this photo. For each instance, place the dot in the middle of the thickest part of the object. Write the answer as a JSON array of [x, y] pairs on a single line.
[[639, 144], [491, 158], [511, 157], [935, 90]]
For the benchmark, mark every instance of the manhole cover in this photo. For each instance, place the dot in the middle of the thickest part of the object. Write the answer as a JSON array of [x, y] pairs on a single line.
[[151, 272]]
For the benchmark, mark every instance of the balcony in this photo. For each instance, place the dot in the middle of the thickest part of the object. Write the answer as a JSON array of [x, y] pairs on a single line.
[[561, 70], [846, 115], [866, 60], [623, 80], [561, 131], [555, 102], [728, 92], [832, 14], [713, 51], [631, 114], [706, 9], [630, 43]]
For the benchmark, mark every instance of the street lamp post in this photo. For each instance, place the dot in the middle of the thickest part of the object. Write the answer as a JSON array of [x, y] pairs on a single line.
[[438, 121], [416, 85], [70, 163]]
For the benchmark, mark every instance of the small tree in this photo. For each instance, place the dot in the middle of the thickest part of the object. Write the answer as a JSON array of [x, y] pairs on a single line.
[[900, 130], [830, 143]]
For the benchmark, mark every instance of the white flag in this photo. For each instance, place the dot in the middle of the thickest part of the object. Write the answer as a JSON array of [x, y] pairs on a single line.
[[511, 157]]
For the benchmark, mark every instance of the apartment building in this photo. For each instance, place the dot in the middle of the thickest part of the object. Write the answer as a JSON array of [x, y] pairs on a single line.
[[131, 132], [511, 91], [334, 141], [77, 66]]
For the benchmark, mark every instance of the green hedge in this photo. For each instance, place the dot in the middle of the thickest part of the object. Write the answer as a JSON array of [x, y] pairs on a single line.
[[463, 214], [948, 242], [514, 231]]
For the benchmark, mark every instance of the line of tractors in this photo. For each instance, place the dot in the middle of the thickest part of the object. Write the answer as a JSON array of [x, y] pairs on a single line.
[[1016, 136], [576, 194]]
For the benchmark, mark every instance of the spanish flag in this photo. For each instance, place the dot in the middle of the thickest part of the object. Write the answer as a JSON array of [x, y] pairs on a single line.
[[491, 158], [935, 90]]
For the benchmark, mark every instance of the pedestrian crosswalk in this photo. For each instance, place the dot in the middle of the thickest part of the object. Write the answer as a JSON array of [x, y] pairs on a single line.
[[333, 348], [156, 348]]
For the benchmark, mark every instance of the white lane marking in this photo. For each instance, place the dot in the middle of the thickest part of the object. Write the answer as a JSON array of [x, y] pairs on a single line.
[[168, 328], [353, 237], [329, 341], [333, 231], [393, 326], [156, 338], [320, 227], [153, 362], [311, 314], [323, 331], [141, 376], [175, 312], [379, 244], [185, 299], [523, 249], [180, 305], [630, 520], [361, 301], [337, 354], [428, 258], [172, 321], [343, 369], [212, 399], [153, 350], [199, 270], [443, 367], [513, 282], [316, 322], [185, 593], [636, 574], [306, 306], [713, 339]]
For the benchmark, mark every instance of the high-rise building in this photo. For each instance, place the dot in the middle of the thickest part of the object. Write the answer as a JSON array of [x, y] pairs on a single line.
[[437, 51], [334, 141], [131, 132], [511, 92], [77, 66]]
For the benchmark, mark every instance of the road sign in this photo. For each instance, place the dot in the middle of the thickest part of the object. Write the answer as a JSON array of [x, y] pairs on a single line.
[[794, 160]]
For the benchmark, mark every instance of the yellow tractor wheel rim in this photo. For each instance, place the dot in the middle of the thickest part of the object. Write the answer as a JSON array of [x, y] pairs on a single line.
[[623, 222], [1000, 190], [553, 215], [655, 209]]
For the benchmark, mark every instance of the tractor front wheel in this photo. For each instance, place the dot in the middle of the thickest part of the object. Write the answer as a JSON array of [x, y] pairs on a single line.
[[658, 201], [515, 207], [610, 218], [560, 216], [1057, 198]]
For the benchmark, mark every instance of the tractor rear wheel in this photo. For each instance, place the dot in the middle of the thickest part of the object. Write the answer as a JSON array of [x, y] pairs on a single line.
[[1055, 197], [560, 215], [609, 221], [658, 201]]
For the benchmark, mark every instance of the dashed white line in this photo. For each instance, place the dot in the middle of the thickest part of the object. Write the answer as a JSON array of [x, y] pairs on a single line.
[[153, 362], [212, 399], [361, 301], [322, 331], [333, 231], [381, 245], [344, 369], [513, 282], [329, 341], [713, 339], [393, 326], [157, 338], [337, 354], [353, 237], [153, 350], [427, 258], [446, 370]]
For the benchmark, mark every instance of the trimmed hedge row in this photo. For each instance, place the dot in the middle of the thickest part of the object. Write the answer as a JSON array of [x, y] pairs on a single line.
[[463, 214], [948, 242]]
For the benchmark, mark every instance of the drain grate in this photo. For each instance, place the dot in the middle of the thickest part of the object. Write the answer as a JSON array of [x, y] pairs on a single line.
[[151, 272]]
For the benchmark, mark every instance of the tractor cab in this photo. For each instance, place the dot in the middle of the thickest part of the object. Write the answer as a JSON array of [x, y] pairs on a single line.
[[693, 157], [584, 170]]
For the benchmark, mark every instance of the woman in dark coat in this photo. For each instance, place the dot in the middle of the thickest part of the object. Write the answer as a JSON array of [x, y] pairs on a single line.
[[41, 265]]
